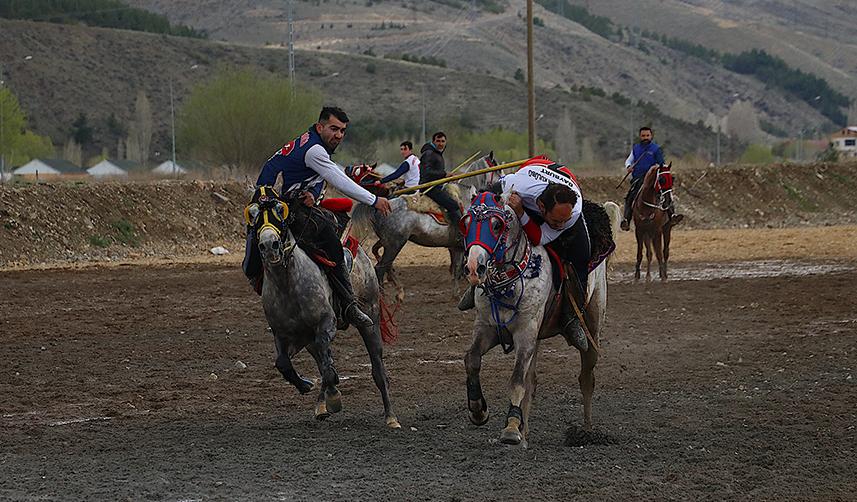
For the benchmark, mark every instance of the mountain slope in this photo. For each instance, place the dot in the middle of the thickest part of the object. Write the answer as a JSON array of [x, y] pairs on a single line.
[[73, 70], [567, 54]]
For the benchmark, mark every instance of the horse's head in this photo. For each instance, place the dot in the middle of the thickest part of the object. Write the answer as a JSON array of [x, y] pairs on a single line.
[[267, 215], [485, 227]]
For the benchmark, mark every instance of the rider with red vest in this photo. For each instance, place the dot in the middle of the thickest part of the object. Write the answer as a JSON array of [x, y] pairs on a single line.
[[305, 166]]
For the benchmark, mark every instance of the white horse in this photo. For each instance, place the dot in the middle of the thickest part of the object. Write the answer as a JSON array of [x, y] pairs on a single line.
[[411, 221], [521, 303]]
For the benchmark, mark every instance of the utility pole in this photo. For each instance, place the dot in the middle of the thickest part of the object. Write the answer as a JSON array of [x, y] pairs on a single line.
[[291, 49], [173, 123], [424, 112], [717, 154], [2, 153], [531, 86]]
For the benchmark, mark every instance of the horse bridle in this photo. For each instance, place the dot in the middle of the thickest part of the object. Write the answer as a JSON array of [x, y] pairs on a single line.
[[274, 214]]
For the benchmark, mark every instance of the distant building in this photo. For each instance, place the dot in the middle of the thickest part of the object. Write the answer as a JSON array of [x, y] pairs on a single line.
[[169, 169], [113, 168], [49, 168], [845, 141]]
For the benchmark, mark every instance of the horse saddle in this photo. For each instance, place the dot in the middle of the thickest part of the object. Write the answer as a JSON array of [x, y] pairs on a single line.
[[421, 204]]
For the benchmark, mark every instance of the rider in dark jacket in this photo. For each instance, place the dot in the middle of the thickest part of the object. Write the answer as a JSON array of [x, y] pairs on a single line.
[[432, 167]]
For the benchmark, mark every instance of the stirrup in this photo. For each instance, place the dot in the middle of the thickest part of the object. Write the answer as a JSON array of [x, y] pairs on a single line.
[[355, 316], [468, 299], [676, 219], [625, 225]]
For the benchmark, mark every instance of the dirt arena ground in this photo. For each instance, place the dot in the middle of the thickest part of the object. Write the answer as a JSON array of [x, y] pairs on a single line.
[[736, 380]]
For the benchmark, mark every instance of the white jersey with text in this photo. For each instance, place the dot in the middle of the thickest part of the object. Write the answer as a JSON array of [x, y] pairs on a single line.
[[529, 182]]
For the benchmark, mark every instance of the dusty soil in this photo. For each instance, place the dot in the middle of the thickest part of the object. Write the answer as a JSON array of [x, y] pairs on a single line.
[[717, 389]]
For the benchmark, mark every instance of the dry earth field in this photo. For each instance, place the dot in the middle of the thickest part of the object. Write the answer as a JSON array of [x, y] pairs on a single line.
[[733, 381]]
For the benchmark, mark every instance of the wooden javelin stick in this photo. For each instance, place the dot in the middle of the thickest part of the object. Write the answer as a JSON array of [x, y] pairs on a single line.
[[631, 169], [469, 160], [457, 177]]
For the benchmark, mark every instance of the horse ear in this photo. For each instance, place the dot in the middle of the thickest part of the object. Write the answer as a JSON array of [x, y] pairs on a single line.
[[374, 165], [670, 166]]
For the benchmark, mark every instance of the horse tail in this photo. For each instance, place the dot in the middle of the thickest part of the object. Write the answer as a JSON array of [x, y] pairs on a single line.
[[362, 222], [615, 215]]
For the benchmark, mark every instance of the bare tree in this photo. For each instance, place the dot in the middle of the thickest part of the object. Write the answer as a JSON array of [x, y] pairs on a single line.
[[73, 153], [139, 139]]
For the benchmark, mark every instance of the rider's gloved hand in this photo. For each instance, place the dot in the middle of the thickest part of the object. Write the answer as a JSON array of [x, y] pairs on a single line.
[[382, 205]]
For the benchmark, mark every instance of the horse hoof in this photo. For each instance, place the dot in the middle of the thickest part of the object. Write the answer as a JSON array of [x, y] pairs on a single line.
[[321, 412], [307, 386], [511, 435], [478, 412], [333, 401], [393, 423]]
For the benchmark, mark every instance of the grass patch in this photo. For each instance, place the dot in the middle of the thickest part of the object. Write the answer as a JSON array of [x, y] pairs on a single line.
[[804, 203], [99, 241], [125, 233], [842, 179]]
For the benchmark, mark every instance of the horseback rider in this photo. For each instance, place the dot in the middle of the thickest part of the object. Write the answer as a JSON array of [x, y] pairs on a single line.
[[409, 169], [643, 156], [547, 199], [432, 167], [305, 166]]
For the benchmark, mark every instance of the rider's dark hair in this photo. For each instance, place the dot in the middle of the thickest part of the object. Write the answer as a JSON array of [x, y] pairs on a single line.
[[557, 193], [408, 144], [335, 111], [646, 128], [439, 134]]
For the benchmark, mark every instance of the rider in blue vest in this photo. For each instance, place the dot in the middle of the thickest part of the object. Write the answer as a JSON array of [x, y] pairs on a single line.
[[305, 167], [643, 156]]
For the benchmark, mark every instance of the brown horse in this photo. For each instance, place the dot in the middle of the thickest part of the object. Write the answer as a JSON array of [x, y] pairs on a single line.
[[651, 225]]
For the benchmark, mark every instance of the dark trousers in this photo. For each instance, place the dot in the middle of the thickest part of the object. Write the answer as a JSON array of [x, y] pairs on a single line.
[[629, 199], [444, 200], [573, 247]]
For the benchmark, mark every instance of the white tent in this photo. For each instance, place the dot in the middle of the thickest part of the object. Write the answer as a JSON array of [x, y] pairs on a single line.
[[47, 167], [107, 168], [169, 169]]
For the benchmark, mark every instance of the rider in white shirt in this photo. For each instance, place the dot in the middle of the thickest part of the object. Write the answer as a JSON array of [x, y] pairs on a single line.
[[409, 169]]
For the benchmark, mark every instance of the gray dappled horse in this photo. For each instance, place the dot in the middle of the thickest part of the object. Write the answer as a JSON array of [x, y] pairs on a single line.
[[299, 306], [521, 301], [409, 221]]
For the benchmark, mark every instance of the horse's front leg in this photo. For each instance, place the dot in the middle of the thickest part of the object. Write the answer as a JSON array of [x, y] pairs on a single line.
[[329, 399], [639, 254], [530, 382], [484, 338], [285, 351], [657, 242], [667, 238], [648, 260], [525, 343]]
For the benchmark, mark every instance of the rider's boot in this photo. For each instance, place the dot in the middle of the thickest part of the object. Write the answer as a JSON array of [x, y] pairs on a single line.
[[675, 219], [626, 217], [341, 284], [468, 299], [573, 332], [572, 329], [454, 217]]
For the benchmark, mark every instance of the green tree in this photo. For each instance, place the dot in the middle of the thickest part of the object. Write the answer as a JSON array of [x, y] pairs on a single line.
[[81, 131], [240, 117], [17, 144]]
